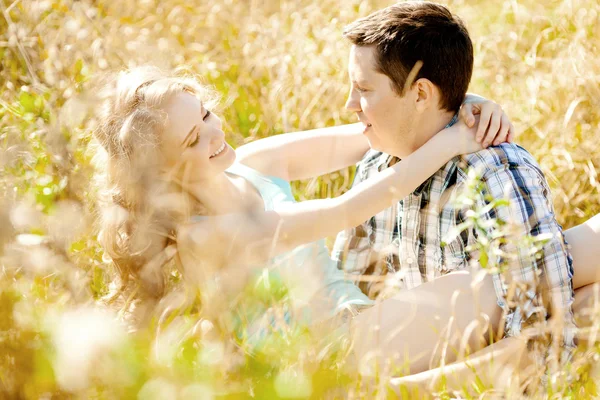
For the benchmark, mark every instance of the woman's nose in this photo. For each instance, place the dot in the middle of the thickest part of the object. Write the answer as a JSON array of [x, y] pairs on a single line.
[[217, 138], [217, 135], [219, 122]]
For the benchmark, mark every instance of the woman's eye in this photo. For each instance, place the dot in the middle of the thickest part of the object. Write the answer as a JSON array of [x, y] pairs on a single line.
[[206, 115], [360, 90], [195, 142]]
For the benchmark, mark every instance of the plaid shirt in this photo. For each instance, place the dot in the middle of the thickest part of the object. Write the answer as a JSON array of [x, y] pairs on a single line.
[[407, 237]]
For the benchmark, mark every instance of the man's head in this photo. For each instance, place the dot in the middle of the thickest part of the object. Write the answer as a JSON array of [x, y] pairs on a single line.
[[410, 66]]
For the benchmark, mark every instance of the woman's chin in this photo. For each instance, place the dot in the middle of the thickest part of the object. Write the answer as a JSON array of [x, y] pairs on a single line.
[[226, 158]]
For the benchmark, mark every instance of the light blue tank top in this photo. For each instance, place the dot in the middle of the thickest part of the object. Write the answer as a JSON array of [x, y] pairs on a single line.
[[340, 293]]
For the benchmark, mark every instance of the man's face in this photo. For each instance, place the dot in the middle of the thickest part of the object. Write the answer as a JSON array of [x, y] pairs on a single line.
[[388, 118]]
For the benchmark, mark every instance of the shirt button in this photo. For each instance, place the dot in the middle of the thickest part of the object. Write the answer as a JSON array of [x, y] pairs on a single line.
[[409, 260]]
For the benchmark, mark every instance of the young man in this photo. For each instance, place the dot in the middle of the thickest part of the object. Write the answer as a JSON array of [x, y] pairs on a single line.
[[410, 66]]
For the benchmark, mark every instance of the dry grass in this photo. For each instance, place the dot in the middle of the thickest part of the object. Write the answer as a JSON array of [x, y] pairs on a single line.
[[280, 66]]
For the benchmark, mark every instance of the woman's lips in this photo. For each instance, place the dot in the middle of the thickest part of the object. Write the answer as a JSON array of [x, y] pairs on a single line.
[[219, 150]]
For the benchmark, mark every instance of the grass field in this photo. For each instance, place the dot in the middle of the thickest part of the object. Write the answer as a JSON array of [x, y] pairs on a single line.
[[279, 66]]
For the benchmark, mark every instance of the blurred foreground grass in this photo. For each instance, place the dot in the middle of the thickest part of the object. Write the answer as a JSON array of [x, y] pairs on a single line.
[[280, 66]]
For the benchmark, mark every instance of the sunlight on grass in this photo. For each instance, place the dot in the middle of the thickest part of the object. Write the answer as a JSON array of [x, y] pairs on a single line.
[[65, 327]]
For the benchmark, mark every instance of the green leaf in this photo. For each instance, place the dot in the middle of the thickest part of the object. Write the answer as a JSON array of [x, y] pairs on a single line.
[[483, 259], [27, 101]]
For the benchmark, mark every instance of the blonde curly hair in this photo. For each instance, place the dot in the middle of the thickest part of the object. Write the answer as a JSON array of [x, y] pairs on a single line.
[[140, 203]]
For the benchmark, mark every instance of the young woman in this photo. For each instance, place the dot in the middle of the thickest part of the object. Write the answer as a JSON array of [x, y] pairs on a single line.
[[175, 187]]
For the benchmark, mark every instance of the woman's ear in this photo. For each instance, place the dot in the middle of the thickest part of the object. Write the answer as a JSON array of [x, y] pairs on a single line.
[[425, 93]]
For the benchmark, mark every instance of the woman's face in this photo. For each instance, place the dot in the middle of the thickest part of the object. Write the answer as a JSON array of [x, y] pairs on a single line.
[[193, 141]]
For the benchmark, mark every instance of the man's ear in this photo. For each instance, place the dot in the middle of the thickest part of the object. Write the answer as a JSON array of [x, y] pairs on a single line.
[[425, 93]]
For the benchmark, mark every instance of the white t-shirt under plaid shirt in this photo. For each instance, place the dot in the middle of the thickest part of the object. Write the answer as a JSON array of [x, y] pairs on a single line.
[[408, 236]]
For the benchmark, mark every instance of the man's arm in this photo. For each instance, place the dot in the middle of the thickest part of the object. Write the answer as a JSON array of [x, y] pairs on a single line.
[[306, 154]]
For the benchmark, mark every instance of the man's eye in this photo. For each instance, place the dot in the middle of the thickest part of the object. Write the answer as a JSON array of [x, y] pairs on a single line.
[[207, 115], [360, 90]]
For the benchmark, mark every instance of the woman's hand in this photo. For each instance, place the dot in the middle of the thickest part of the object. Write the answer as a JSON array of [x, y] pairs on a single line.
[[458, 139], [494, 125]]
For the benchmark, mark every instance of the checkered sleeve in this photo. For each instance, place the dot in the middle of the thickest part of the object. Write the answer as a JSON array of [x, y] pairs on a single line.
[[512, 173], [352, 247]]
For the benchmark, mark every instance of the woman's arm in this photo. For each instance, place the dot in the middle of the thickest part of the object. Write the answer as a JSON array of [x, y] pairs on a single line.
[[257, 237], [306, 154], [311, 220]]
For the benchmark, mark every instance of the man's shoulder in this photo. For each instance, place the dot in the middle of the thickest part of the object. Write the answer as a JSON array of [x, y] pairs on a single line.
[[505, 155]]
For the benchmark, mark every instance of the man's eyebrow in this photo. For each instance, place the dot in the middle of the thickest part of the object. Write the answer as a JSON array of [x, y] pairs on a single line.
[[360, 82], [189, 134]]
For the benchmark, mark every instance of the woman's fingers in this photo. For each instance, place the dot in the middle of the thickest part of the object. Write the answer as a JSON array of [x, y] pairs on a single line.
[[484, 121], [466, 113], [511, 134], [502, 135], [494, 127]]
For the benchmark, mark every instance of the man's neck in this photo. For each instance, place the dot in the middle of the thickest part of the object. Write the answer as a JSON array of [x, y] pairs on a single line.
[[431, 124]]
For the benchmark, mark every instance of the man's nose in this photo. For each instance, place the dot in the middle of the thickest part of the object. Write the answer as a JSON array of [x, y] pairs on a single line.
[[353, 102]]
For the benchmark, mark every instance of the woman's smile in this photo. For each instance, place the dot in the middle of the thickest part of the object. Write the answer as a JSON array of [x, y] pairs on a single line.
[[219, 150]]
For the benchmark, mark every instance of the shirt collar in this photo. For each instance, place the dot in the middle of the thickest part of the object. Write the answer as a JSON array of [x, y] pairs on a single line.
[[452, 121]]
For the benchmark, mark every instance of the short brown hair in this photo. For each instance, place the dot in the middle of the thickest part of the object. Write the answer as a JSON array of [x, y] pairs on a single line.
[[406, 33]]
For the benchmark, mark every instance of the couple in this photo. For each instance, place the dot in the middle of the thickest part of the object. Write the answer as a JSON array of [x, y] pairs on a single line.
[[176, 189]]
